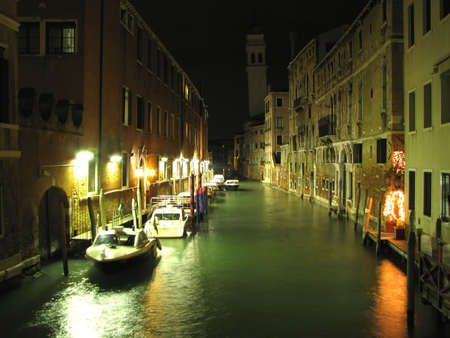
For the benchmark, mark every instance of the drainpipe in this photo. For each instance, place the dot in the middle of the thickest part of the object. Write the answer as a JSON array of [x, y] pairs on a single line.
[[100, 118]]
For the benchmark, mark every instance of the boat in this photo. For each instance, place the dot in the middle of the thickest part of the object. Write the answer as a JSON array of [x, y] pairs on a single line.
[[167, 222], [218, 180], [120, 245], [231, 185]]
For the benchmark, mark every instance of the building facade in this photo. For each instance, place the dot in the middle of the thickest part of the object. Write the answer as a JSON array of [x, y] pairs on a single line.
[[426, 29], [276, 135], [106, 114]]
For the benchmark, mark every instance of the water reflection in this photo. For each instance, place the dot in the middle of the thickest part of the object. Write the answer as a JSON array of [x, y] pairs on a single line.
[[390, 298]]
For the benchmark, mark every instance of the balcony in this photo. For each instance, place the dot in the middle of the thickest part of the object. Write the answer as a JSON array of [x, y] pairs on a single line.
[[327, 126], [9, 141]]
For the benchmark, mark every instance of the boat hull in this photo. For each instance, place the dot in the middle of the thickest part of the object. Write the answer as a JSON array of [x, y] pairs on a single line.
[[115, 256], [231, 187]]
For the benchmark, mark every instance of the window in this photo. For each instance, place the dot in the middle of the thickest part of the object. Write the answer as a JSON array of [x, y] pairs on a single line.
[[384, 10], [92, 181], [165, 118], [140, 113], [445, 97], [279, 122], [158, 121], [426, 16], [130, 22], [427, 119], [279, 139], [140, 44], [360, 40], [412, 191], [256, 145], [350, 185], [60, 37], [278, 157], [261, 145], [412, 111], [126, 106], [253, 58], [29, 38], [357, 153], [149, 117], [260, 58], [279, 102], [445, 213], [360, 100], [149, 53], [427, 193], [4, 88], [384, 85], [125, 169], [445, 8], [158, 63], [381, 150], [410, 25], [2, 211]]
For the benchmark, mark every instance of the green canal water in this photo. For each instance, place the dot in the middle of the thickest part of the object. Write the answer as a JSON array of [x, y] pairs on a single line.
[[263, 264]]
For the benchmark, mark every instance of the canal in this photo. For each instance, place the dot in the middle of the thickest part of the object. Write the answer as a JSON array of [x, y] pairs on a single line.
[[263, 264]]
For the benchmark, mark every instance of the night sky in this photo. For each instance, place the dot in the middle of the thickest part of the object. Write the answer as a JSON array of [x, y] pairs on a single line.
[[207, 38]]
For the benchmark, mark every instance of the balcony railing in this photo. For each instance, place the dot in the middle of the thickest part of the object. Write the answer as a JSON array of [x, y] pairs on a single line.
[[9, 141], [327, 126]]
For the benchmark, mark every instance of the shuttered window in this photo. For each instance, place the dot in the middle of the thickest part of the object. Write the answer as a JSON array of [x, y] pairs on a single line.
[[427, 193]]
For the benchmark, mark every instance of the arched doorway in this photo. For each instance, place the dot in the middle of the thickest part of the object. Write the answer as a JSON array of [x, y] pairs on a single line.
[[52, 217]]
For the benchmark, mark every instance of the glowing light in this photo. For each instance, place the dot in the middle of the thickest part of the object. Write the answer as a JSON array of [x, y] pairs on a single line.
[[394, 206], [139, 172], [164, 159], [398, 162], [151, 172], [84, 156], [115, 158], [80, 169]]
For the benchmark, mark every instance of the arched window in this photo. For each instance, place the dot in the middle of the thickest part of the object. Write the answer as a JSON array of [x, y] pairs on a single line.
[[253, 58]]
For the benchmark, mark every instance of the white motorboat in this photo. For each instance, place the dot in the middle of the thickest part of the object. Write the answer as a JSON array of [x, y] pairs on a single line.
[[218, 180], [121, 244], [231, 185], [167, 222]]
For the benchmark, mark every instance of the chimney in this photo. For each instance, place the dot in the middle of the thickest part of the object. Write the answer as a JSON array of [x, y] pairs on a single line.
[[292, 38]]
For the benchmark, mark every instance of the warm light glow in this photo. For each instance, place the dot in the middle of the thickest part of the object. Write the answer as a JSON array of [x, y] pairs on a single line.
[[151, 172], [139, 172], [164, 159], [84, 156], [80, 169], [115, 158], [394, 206], [398, 162]]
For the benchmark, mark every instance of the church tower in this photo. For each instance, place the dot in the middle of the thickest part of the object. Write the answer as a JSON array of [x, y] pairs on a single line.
[[256, 70]]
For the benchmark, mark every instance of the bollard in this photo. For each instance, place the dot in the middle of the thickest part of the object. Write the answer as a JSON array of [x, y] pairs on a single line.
[[411, 283]]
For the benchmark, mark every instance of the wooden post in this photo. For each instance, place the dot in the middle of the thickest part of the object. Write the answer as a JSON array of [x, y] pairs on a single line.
[[411, 284], [439, 263], [101, 207], [357, 206], [133, 211], [65, 217], [379, 230], [330, 199], [366, 228], [192, 199], [139, 205], [92, 218]]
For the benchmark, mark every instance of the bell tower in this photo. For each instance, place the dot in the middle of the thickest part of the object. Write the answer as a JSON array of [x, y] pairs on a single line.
[[256, 70]]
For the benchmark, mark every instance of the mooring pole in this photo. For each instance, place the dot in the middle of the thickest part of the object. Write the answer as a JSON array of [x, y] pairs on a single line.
[[366, 228], [357, 206], [192, 199], [330, 198], [92, 218], [65, 219], [411, 275], [378, 250]]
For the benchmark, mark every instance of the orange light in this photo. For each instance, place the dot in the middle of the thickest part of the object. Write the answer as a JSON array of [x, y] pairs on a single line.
[[394, 206], [398, 162]]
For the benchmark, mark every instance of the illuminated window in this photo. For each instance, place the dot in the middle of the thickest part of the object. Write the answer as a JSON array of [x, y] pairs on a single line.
[[28, 38], [427, 193], [125, 169], [126, 106], [92, 178], [60, 37]]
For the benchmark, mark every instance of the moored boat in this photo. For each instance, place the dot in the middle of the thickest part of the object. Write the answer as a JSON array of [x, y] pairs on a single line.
[[167, 222], [231, 185], [121, 244]]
